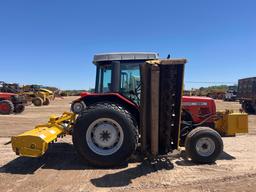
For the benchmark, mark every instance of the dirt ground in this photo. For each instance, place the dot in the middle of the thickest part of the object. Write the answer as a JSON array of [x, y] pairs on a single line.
[[61, 170]]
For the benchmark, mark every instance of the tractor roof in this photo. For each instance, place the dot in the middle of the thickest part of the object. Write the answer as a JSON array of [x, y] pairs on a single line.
[[168, 61], [120, 56]]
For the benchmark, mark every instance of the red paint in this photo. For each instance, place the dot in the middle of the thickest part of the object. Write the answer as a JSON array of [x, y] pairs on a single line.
[[200, 106], [6, 96], [4, 107], [86, 94]]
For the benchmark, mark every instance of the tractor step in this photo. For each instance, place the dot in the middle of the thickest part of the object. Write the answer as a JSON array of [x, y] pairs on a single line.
[[34, 143]]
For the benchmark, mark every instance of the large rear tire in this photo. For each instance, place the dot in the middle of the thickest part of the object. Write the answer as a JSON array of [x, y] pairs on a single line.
[[105, 135], [37, 101], [203, 145], [6, 107]]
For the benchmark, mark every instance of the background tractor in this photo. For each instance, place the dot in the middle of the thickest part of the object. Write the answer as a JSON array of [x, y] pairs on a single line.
[[39, 88], [35, 94], [136, 107], [11, 103]]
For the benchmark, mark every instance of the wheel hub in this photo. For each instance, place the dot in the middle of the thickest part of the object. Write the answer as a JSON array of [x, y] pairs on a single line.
[[78, 107], [205, 146], [104, 136]]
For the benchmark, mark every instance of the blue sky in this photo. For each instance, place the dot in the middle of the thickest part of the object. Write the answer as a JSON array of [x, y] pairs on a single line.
[[52, 42]]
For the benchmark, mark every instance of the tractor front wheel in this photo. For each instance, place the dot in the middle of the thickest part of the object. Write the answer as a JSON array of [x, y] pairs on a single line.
[[203, 145], [105, 135]]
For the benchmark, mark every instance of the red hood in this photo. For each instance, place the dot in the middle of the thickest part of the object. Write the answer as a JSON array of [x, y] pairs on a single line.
[[6, 94]]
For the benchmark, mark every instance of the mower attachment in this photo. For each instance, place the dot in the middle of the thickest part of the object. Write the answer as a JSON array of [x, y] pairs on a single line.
[[34, 143]]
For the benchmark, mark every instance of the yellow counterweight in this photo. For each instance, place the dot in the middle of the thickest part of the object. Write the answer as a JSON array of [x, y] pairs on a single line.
[[229, 123]]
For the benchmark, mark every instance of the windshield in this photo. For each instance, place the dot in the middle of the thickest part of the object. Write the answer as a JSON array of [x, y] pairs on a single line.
[[105, 78], [122, 77], [130, 81]]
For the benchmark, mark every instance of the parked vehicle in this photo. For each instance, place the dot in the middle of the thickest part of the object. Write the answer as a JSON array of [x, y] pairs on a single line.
[[247, 94], [231, 94], [31, 93], [11, 103]]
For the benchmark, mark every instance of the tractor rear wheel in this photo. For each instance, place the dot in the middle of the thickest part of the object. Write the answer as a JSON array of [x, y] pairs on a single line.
[[6, 107], [203, 145], [19, 108], [105, 135], [47, 101], [37, 101]]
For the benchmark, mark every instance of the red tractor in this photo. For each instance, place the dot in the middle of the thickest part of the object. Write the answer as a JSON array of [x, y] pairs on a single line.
[[137, 106], [11, 103]]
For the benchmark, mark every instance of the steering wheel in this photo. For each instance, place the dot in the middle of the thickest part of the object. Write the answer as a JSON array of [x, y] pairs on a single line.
[[136, 93]]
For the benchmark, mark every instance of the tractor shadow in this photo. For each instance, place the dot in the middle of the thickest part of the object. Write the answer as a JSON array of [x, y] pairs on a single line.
[[184, 161], [60, 156], [125, 177]]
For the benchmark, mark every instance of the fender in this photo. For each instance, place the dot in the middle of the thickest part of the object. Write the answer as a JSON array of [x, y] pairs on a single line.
[[91, 98]]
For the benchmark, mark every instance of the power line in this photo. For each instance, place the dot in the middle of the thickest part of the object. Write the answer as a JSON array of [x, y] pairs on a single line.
[[211, 82]]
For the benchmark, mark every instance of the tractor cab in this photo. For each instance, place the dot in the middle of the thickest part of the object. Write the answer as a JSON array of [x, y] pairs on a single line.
[[117, 79], [120, 73]]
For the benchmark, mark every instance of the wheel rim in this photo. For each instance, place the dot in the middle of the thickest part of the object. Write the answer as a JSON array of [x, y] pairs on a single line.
[[104, 136], [4, 107], [37, 102], [205, 146], [78, 107]]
